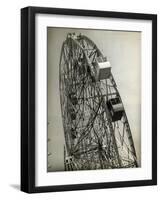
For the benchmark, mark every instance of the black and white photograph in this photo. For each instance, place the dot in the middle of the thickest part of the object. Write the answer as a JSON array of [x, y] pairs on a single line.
[[79, 93], [88, 99], [94, 99]]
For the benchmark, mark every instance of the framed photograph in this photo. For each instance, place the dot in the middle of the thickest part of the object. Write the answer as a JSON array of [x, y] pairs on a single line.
[[88, 99]]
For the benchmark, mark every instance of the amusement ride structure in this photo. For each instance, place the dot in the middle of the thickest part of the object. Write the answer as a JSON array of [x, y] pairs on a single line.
[[96, 128]]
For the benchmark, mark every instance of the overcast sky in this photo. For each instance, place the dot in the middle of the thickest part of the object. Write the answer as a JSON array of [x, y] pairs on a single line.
[[123, 49]]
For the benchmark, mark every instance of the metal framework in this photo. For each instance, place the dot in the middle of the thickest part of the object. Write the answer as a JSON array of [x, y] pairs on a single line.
[[97, 136]]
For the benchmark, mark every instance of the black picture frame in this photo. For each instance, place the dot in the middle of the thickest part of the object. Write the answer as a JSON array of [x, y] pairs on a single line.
[[28, 98]]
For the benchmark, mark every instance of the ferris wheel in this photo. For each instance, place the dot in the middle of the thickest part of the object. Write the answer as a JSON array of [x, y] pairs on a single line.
[[96, 128]]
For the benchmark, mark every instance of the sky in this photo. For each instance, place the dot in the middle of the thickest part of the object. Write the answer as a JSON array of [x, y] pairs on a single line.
[[123, 50]]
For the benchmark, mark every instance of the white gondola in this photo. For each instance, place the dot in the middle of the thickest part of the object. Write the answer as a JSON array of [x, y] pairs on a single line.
[[103, 69]]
